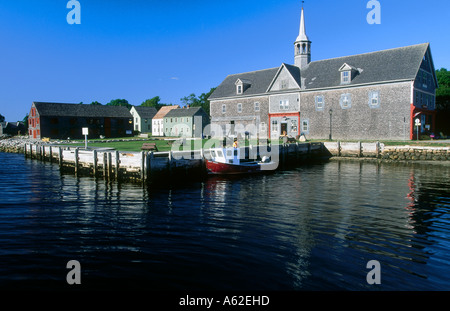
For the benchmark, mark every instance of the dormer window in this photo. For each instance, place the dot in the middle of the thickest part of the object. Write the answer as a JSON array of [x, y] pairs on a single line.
[[345, 77], [348, 73], [242, 85], [239, 89]]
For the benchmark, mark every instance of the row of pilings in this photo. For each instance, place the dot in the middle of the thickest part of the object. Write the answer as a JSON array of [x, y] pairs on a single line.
[[143, 166]]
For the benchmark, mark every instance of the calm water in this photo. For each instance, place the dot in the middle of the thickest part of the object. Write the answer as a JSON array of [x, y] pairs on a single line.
[[311, 228]]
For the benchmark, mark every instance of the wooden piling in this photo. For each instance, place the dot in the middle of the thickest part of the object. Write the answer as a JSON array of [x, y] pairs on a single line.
[[95, 163], [105, 165], [76, 161], [109, 165], [51, 154], [60, 156], [142, 166], [117, 164]]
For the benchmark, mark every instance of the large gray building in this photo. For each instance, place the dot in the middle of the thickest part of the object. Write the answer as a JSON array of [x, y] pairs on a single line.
[[377, 95]]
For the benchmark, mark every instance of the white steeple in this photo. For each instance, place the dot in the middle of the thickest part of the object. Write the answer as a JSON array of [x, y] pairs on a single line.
[[302, 33], [302, 45]]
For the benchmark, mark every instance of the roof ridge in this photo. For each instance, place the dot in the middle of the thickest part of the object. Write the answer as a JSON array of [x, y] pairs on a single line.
[[373, 52], [241, 73]]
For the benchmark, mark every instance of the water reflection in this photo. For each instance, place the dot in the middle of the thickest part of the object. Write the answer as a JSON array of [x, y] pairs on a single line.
[[314, 227]]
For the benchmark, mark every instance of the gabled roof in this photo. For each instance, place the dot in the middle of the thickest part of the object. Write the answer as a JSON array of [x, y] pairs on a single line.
[[294, 71], [146, 112], [185, 112], [399, 64], [164, 110], [81, 110], [382, 66], [260, 81]]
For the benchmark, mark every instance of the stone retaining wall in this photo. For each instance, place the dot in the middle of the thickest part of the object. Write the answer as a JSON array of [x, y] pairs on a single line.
[[410, 153]]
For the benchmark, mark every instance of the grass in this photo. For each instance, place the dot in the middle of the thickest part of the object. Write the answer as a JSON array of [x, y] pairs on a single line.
[[166, 145]]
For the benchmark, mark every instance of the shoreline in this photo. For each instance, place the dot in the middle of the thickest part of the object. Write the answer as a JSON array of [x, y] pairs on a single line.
[[390, 154]]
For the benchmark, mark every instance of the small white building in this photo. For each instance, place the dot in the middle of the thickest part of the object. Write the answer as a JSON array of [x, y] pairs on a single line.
[[158, 122]]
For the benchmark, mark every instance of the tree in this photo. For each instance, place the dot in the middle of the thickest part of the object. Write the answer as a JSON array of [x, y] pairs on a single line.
[[443, 92], [2, 118], [96, 103], [201, 101], [119, 102], [153, 102], [25, 121]]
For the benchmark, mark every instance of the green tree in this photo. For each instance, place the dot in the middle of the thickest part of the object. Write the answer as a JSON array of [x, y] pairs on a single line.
[[96, 103], [153, 102], [443, 92], [2, 118], [25, 121], [119, 102], [201, 101]]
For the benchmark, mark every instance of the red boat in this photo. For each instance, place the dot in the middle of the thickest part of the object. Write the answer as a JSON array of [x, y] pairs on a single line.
[[228, 161]]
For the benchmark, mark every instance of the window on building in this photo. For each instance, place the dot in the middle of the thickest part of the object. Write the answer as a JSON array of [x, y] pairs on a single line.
[[284, 104], [284, 84], [239, 88], [256, 106], [320, 104], [345, 77], [239, 107], [346, 101], [224, 108], [305, 126], [374, 99], [274, 126], [262, 127]]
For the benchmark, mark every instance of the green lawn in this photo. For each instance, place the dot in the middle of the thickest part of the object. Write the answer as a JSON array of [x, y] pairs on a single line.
[[166, 145]]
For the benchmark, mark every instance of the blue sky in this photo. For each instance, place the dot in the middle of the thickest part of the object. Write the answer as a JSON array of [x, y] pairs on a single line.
[[139, 49]]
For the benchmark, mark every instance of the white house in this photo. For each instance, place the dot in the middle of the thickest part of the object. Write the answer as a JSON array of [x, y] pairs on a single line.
[[142, 118], [158, 122]]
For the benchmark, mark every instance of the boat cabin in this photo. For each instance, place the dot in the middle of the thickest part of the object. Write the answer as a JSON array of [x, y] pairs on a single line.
[[226, 155]]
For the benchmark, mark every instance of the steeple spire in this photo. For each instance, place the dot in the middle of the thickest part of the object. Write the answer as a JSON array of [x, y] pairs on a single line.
[[302, 33], [302, 45]]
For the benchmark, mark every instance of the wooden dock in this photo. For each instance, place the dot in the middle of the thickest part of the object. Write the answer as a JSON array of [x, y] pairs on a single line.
[[143, 166]]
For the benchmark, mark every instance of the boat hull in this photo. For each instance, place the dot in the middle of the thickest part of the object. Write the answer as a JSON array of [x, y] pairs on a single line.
[[220, 168], [230, 169]]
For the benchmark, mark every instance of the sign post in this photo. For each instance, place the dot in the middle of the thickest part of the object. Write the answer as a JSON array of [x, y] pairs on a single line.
[[85, 133], [417, 121]]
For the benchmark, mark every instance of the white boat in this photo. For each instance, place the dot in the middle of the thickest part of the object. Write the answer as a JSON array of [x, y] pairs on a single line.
[[228, 161]]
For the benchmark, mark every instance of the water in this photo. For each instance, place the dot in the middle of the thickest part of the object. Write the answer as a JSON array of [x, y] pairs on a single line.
[[311, 228]]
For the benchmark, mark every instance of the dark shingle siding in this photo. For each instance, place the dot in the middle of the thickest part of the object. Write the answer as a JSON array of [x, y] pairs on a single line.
[[260, 81], [387, 65], [81, 110]]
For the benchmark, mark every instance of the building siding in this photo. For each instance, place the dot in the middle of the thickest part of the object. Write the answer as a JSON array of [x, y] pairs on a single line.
[[390, 120]]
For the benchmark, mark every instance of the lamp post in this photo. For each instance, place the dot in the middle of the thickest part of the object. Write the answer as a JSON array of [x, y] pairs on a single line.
[[331, 113]]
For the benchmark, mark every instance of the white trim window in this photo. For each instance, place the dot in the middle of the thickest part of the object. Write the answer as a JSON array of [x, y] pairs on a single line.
[[257, 108], [320, 103], [305, 126], [224, 108], [345, 77], [274, 127], [239, 88], [346, 101], [374, 99], [239, 108], [284, 104]]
